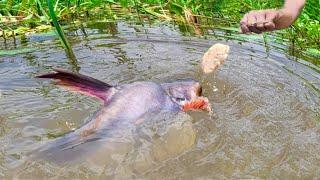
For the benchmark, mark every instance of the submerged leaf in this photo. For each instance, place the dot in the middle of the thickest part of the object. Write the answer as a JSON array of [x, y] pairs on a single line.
[[233, 29], [11, 52]]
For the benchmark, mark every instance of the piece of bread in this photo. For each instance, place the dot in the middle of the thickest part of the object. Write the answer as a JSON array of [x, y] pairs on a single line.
[[214, 57]]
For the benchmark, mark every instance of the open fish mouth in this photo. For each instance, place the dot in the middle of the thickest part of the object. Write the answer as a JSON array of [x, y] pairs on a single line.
[[199, 103]]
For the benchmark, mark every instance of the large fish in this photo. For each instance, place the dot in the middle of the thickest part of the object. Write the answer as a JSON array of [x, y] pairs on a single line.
[[126, 105], [123, 105]]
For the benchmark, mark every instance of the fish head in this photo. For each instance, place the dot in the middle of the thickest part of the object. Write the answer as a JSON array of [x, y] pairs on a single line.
[[187, 94]]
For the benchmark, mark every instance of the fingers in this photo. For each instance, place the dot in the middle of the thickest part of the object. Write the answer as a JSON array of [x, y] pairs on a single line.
[[248, 22], [269, 26], [258, 21], [270, 18], [252, 21], [244, 24]]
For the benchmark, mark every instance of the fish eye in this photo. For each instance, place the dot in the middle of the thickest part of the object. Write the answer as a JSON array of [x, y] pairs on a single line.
[[180, 99]]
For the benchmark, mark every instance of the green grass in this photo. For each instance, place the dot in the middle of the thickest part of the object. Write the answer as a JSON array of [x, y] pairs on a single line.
[[27, 15], [59, 30]]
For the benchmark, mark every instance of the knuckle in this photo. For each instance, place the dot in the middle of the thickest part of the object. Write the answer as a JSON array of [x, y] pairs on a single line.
[[260, 26]]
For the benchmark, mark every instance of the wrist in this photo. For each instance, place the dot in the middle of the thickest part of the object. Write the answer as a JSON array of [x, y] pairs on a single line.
[[290, 12], [285, 17], [294, 7]]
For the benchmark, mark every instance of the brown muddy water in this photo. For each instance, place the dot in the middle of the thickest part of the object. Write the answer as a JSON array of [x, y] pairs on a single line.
[[265, 102]]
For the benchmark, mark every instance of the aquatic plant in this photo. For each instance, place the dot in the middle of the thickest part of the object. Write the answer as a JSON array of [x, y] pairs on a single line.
[[15, 14], [59, 30]]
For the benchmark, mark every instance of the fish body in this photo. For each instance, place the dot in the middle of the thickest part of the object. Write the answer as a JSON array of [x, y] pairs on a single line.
[[123, 106]]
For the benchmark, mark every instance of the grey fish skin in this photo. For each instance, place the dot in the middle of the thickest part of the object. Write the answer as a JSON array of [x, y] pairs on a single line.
[[129, 103], [125, 105]]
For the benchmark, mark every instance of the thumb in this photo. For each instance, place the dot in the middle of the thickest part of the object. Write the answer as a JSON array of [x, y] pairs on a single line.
[[272, 16]]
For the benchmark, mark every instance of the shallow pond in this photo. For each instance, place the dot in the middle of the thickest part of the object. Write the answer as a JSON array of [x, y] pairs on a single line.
[[265, 103]]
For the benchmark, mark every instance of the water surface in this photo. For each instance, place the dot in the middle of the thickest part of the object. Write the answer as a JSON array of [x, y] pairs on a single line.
[[265, 102]]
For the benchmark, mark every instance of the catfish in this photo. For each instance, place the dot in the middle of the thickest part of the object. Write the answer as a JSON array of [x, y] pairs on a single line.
[[126, 105], [122, 106]]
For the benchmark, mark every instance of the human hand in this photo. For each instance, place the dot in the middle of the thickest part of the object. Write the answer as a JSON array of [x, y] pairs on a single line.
[[266, 20]]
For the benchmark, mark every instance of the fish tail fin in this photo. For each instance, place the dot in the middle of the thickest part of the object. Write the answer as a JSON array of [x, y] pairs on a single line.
[[65, 149]]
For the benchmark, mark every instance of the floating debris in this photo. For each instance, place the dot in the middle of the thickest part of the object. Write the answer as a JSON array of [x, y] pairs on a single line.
[[214, 57]]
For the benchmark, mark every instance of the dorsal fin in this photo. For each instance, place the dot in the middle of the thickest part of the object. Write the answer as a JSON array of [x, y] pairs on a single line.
[[79, 83]]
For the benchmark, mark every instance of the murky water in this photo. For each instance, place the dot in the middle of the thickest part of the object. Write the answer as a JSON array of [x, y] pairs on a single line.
[[265, 120]]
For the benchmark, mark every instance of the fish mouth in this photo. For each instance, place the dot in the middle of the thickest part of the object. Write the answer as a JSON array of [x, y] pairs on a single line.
[[198, 103], [188, 95]]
